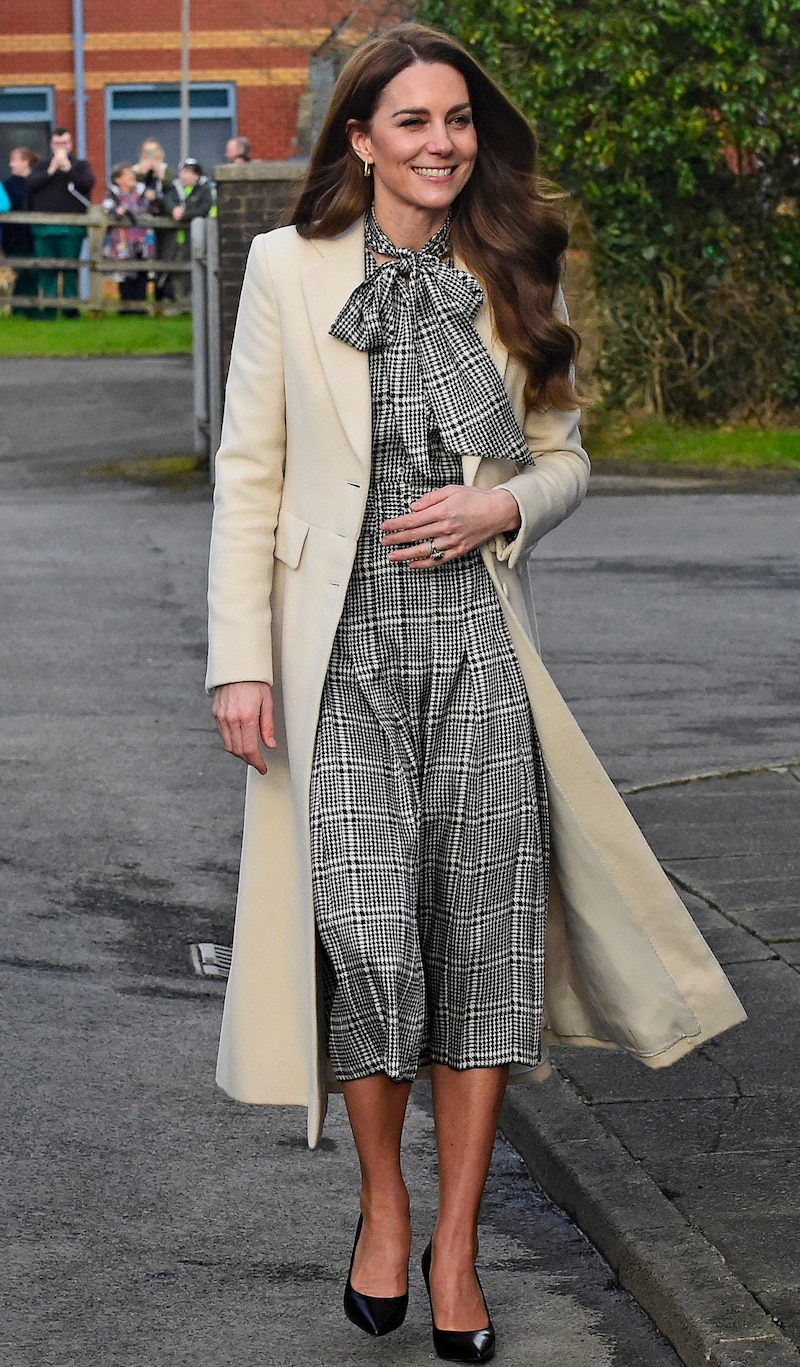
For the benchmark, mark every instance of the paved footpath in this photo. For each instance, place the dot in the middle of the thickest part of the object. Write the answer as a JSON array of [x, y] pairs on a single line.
[[147, 1221]]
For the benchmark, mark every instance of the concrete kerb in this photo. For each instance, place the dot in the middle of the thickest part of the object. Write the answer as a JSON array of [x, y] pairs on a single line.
[[682, 1282]]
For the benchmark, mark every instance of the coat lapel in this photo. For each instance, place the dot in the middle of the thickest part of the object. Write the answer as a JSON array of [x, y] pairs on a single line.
[[327, 285]]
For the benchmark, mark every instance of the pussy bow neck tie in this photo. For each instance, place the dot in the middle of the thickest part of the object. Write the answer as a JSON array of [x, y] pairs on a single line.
[[419, 310]]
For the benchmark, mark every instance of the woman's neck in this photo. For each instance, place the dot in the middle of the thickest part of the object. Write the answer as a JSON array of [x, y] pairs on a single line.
[[407, 226]]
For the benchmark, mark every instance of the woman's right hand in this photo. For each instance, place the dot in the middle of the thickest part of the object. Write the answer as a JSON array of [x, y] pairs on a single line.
[[243, 713]]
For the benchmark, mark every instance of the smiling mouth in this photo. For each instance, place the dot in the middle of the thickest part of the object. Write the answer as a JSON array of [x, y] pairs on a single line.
[[434, 172]]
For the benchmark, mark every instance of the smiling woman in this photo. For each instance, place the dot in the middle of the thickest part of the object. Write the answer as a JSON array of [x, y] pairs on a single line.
[[400, 431], [484, 151], [421, 147]]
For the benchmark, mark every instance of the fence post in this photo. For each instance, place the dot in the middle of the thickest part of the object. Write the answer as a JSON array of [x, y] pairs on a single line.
[[200, 334], [96, 230], [214, 341]]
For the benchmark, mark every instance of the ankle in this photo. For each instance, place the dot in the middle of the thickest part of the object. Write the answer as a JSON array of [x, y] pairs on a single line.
[[457, 1243], [386, 1204]]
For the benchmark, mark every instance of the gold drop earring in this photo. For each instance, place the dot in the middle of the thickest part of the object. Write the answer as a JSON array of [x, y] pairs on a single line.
[[367, 169]]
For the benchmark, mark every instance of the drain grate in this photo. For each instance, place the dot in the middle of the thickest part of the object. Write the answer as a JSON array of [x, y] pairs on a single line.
[[211, 961]]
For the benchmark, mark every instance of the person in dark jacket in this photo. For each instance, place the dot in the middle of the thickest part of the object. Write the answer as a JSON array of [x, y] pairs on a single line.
[[17, 237], [191, 196], [61, 185]]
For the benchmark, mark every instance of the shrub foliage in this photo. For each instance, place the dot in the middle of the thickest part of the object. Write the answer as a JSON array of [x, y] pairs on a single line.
[[676, 124]]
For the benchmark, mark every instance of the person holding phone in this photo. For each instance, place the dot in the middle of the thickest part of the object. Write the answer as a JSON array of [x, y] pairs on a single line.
[[60, 184]]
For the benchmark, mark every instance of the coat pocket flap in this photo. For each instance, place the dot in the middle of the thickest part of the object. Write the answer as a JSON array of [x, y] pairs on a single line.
[[290, 538]]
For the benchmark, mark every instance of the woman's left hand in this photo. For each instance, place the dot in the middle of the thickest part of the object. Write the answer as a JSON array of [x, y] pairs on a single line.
[[454, 520]]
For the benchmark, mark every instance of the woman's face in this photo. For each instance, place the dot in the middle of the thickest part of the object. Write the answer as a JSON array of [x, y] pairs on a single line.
[[421, 140], [151, 152], [20, 166]]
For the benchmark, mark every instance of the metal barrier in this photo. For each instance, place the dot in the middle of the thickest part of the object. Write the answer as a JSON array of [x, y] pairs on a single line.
[[204, 302], [206, 337], [97, 224]]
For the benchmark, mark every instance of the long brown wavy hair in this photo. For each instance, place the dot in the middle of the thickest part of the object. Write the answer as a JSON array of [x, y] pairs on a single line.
[[509, 234]]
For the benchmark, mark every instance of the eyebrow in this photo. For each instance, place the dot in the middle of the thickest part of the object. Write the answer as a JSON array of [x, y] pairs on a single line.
[[455, 110]]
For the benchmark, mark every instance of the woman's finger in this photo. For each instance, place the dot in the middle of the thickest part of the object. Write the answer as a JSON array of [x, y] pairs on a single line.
[[243, 713], [248, 748], [420, 554]]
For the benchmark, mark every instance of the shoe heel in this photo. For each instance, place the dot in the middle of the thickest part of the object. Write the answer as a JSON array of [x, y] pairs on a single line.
[[375, 1315], [455, 1345]]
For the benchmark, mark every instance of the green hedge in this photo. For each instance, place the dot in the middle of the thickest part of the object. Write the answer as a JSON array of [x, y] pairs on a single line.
[[676, 124]]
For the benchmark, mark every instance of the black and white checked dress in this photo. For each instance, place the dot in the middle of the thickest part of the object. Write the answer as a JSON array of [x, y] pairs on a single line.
[[428, 807]]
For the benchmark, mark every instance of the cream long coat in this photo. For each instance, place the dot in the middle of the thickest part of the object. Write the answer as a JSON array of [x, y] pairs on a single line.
[[625, 965]]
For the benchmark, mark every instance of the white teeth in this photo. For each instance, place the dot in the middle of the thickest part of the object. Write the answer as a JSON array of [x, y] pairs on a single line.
[[434, 172]]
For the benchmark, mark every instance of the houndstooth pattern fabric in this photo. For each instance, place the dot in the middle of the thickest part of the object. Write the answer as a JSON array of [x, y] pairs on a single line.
[[418, 310], [428, 806]]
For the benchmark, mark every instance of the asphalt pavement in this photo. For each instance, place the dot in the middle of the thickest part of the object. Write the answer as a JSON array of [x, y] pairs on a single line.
[[58, 415], [148, 1219]]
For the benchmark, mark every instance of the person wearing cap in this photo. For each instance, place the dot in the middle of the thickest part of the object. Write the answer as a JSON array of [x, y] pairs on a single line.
[[190, 196]]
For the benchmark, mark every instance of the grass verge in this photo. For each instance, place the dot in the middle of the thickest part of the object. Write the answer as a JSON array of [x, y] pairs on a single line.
[[651, 445], [172, 471], [103, 335]]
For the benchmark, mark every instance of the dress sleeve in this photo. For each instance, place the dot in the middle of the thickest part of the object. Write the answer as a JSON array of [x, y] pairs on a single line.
[[249, 483]]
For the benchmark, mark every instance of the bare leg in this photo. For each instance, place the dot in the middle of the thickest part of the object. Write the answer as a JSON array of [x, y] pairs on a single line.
[[376, 1107], [466, 1108]]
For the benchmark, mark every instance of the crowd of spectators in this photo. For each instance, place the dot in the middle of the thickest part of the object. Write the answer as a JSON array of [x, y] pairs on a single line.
[[62, 184]]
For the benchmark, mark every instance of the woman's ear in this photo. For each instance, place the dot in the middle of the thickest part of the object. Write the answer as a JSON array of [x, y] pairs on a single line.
[[359, 140]]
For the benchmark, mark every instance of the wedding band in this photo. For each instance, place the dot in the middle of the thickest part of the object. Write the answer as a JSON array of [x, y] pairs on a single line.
[[436, 554]]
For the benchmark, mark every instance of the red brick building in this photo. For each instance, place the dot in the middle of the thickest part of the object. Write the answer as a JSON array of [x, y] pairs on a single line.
[[249, 72]]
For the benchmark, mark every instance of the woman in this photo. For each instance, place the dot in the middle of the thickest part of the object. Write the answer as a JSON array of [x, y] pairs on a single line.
[[17, 237], [125, 203], [393, 448], [153, 172]]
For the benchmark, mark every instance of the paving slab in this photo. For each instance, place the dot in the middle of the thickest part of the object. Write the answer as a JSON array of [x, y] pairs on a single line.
[[699, 836], [743, 889], [767, 1123], [731, 942]]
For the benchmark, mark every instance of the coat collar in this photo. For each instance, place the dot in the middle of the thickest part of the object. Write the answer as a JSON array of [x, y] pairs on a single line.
[[327, 285]]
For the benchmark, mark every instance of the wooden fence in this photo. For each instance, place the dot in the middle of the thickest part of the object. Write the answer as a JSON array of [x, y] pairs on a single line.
[[98, 266]]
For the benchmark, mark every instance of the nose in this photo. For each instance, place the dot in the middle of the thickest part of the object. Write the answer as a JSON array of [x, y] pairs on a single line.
[[440, 142]]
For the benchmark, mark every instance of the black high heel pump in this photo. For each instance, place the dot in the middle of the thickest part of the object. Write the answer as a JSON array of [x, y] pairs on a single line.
[[459, 1345], [376, 1315]]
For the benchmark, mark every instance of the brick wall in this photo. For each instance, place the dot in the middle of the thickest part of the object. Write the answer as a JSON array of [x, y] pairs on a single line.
[[262, 46], [251, 200]]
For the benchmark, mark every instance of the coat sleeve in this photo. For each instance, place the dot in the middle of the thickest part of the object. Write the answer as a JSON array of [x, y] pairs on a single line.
[[553, 488], [249, 470]]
